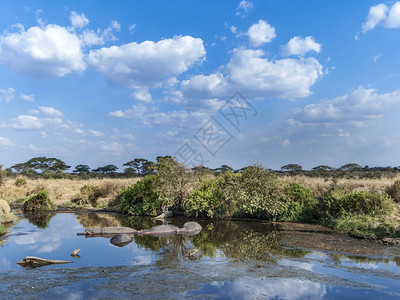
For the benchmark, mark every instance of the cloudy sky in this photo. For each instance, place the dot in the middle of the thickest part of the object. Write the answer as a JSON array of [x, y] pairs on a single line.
[[213, 82]]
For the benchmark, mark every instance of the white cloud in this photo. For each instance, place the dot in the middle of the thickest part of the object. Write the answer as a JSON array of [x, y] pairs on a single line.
[[360, 108], [50, 111], [28, 98], [26, 122], [136, 112], [42, 52], [147, 64], [7, 95], [114, 147], [300, 46], [260, 33], [78, 20], [244, 8], [43, 134], [129, 136], [142, 95], [95, 133], [131, 27], [255, 76], [381, 15], [5, 142], [115, 25]]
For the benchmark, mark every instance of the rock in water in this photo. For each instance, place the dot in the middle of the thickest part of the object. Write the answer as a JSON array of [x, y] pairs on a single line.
[[190, 228], [121, 239]]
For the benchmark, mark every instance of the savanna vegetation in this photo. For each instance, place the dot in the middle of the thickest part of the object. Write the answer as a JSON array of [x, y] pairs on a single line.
[[360, 200]]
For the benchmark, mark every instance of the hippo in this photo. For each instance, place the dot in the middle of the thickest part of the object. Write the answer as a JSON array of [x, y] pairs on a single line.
[[190, 228], [121, 239], [160, 230]]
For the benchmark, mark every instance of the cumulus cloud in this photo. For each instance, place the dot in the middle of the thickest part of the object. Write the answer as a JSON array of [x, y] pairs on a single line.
[[359, 108], [142, 95], [300, 46], [78, 20], [5, 142], [244, 8], [28, 98], [135, 112], [255, 76], [96, 133], [260, 33], [382, 15], [7, 94], [50, 111], [148, 64], [42, 52]]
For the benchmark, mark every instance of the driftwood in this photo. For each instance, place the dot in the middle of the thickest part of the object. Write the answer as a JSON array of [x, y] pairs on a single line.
[[75, 253], [108, 230], [33, 262]]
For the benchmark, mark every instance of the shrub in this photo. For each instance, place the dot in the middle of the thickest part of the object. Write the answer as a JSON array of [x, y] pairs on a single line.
[[38, 202], [142, 198], [2, 175], [394, 191], [300, 203], [333, 205], [20, 182], [2, 230], [206, 201]]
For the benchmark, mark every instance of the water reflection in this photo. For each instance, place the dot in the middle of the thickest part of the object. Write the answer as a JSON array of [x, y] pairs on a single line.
[[41, 219], [236, 260]]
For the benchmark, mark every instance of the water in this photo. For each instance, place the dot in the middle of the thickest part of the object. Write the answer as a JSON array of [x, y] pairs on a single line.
[[237, 260]]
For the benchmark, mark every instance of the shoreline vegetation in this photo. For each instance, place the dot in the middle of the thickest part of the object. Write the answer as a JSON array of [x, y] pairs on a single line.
[[346, 200]]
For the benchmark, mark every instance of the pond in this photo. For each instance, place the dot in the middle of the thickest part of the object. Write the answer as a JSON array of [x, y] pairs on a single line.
[[236, 260]]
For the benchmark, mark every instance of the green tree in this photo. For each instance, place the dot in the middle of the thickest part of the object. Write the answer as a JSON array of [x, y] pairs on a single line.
[[350, 167], [322, 168], [292, 168], [139, 164], [42, 164], [223, 169], [106, 170], [82, 169]]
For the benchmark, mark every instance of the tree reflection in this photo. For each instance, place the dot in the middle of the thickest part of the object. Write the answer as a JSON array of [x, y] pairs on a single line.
[[96, 220], [40, 219]]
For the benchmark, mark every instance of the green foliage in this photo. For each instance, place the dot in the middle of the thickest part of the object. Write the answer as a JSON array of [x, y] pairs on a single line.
[[20, 182], [3, 230], [333, 204], [206, 201], [292, 168], [350, 167], [142, 198], [394, 191], [38, 202], [300, 204]]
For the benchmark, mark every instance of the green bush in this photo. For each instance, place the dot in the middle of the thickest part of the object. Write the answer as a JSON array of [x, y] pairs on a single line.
[[20, 182], [333, 205], [38, 202], [300, 204], [3, 230], [142, 198], [206, 201]]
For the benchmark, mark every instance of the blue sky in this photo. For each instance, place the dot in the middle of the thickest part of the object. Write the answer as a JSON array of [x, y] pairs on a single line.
[[95, 82]]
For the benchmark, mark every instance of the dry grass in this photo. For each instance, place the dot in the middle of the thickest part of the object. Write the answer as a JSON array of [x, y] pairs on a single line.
[[320, 185], [63, 190]]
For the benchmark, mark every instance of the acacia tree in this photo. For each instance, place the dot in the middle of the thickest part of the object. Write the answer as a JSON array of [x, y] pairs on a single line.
[[138, 164], [106, 170], [82, 169], [41, 164], [322, 168], [350, 167], [292, 168]]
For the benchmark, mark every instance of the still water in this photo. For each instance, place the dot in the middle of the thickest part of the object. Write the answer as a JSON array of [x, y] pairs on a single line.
[[236, 260]]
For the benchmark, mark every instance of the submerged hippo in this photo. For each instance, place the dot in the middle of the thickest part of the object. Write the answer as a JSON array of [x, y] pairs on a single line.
[[160, 230], [190, 228], [121, 239]]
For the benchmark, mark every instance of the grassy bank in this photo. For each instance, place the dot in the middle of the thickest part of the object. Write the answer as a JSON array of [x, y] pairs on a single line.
[[363, 207]]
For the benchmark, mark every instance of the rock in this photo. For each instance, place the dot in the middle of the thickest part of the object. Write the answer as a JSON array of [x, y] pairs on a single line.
[[121, 239], [391, 241]]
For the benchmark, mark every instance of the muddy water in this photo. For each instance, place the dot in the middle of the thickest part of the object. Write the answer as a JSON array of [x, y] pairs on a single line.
[[235, 260]]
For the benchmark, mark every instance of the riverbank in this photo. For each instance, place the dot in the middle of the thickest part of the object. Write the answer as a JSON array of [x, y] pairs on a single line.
[[360, 207]]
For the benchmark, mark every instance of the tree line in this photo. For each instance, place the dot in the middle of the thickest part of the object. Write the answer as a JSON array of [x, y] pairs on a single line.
[[139, 167]]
